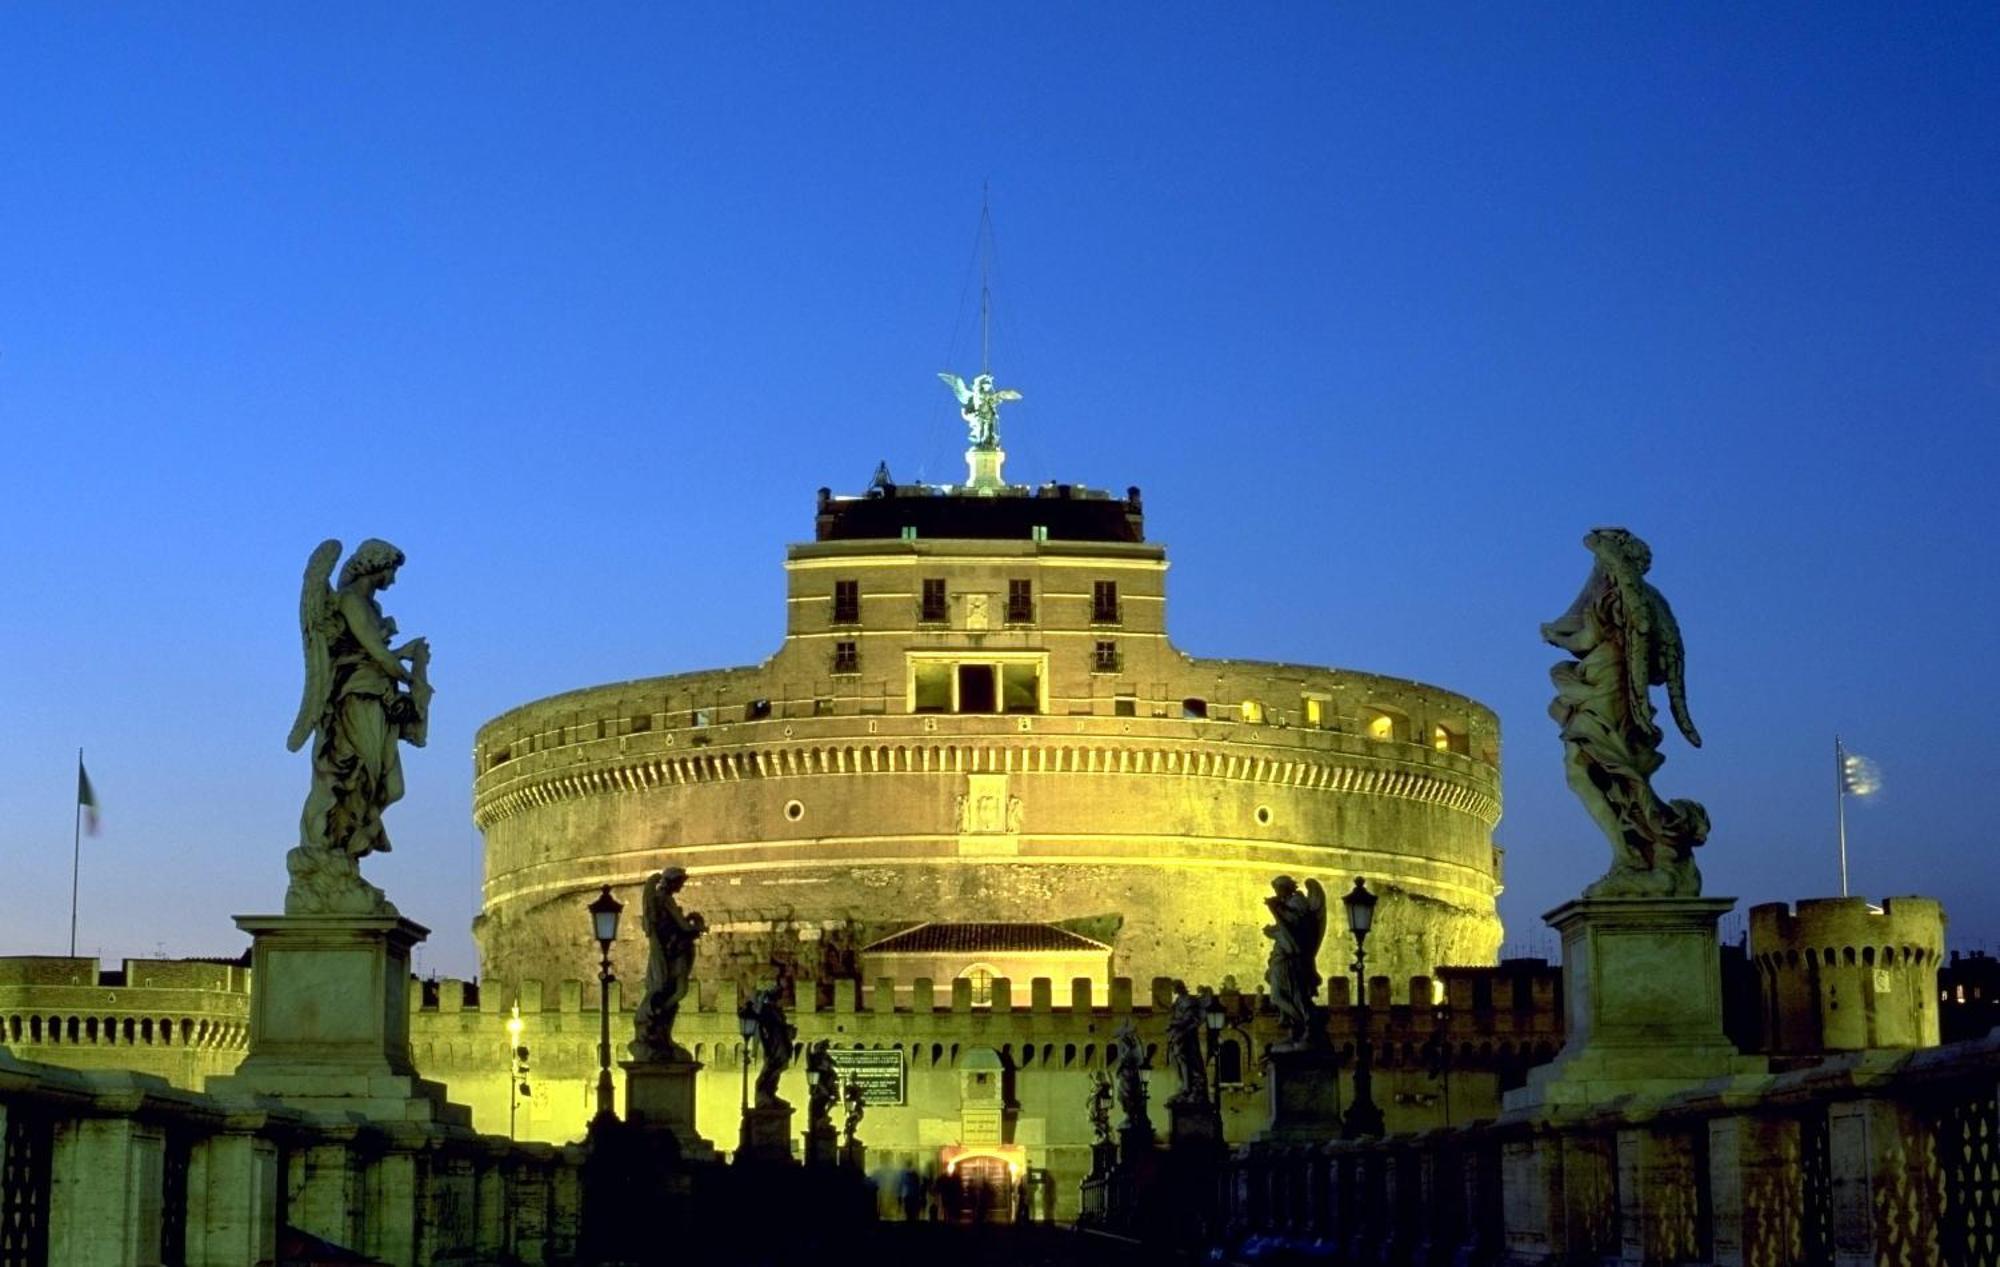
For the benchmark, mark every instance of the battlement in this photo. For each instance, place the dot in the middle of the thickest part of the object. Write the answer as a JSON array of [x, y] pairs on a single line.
[[1520, 993], [223, 975], [1848, 929]]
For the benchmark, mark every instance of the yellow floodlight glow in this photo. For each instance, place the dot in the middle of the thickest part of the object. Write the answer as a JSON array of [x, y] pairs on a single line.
[[514, 1026]]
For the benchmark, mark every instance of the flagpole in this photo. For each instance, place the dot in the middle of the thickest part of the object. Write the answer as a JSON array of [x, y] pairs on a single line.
[[75, 853], [1840, 807]]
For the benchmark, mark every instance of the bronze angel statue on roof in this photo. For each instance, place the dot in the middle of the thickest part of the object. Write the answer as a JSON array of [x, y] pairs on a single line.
[[1298, 926], [979, 404], [1625, 642], [363, 696]]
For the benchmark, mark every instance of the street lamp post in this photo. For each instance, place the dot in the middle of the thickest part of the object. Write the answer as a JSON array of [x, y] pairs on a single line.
[[604, 924], [1363, 1118]]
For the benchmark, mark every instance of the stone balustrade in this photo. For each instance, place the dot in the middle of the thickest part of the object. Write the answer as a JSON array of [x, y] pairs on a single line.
[[103, 1168], [1877, 1157]]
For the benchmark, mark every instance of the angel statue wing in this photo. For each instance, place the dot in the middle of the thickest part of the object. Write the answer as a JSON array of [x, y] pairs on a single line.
[[958, 387], [1669, 664], [315, 610], [1312, 930], [1004, 395]]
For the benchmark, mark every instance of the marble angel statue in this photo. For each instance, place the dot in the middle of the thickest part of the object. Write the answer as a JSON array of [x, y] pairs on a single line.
[[364, 696], [1625, 641], [1292, 972]]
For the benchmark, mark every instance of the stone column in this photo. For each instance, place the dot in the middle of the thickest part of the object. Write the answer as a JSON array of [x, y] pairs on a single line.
[[104, 1193]]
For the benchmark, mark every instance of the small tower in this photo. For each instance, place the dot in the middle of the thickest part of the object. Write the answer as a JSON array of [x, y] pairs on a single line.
[[1843, 975]]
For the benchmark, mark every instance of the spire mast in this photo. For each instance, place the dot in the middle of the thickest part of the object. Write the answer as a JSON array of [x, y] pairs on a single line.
[[985, 278]]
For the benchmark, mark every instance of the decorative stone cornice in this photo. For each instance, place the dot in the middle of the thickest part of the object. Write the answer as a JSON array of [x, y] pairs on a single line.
[[1334, 774]]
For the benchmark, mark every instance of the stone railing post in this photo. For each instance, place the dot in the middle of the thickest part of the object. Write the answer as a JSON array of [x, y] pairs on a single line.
[[1886, 1187], [104, 1193], [566, 1205], [326, 1187], [232, 1188], [528, 1195], [1532, 1197], [491, 1223], [1483, 1236], [1659, 1204], [1757, 1192]]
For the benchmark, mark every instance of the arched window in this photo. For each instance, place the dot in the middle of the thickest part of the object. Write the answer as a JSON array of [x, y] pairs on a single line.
[[1229, 1063], [1382, 725], [981, 975]]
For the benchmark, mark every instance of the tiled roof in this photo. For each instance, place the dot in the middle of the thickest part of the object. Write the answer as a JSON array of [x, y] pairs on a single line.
[[983, 939]]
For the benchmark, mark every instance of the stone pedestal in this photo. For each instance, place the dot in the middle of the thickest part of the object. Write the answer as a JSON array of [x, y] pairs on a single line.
[[767, 1134], [982, 470], [1305, 1096], [659, 1098], [822, 1146], [1642, 991], [330, 1019]]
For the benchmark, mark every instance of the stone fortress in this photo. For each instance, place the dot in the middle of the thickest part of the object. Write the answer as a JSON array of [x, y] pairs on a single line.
[[977, 715]]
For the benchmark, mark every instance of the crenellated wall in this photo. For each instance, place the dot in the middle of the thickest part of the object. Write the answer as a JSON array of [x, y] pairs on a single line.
[[1436, 1062], [178, 1019]]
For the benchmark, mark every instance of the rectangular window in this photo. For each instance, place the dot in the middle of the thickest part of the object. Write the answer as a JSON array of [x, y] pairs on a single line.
[[1193, 709], [758, 709], [846, 658], [1104, 603], [822, 708], [1125, 706], [932, 688], [1020, 688], [933, 606], [1253, 712], [703, 717], [1105, 659], [847, 602], [1315, 711], [1020, 602]]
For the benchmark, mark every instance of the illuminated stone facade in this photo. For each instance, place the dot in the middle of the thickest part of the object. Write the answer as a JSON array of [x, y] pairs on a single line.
[[977, 715]]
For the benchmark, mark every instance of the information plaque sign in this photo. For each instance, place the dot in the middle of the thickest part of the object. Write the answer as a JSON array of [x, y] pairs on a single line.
[[879, 1073]]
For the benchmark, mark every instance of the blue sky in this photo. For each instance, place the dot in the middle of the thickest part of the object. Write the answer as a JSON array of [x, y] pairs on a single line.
[[1383, 309]]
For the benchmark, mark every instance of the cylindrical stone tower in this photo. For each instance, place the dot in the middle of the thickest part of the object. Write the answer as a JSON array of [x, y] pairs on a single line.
[[1844, 975]]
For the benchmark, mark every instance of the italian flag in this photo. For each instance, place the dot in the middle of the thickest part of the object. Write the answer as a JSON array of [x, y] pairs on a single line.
[[86, 799]]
